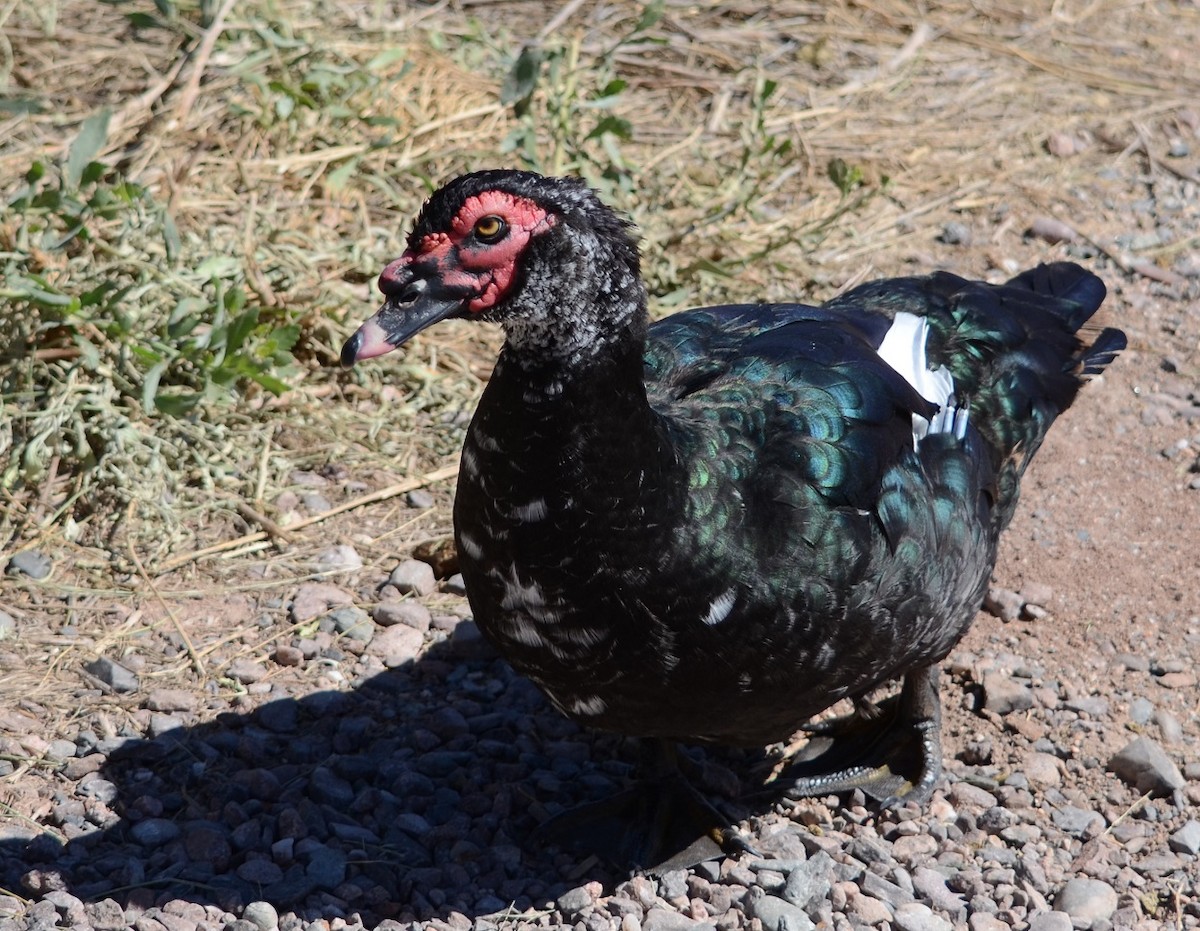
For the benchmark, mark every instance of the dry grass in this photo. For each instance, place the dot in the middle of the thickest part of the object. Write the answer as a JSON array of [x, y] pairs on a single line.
[[283, 147]]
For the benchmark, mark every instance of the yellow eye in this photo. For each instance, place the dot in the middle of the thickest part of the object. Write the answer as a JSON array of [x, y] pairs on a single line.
[[490, 228]]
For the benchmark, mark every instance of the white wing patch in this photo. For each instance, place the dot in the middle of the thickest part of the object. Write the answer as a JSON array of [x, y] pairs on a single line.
[[903, 348], [720, 607]]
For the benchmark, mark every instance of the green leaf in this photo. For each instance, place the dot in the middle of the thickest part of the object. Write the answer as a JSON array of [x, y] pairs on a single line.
[[846, 177], [241, 327], [87, 145], [386, 58], [150, 385], [650, 15], [614, 125], [340, 176], [521, 81]]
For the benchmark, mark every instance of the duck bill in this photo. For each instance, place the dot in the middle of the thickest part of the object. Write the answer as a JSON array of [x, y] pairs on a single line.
[[413, 303]]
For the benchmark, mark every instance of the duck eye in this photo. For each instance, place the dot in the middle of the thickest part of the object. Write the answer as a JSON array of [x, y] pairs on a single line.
[[490, 228]]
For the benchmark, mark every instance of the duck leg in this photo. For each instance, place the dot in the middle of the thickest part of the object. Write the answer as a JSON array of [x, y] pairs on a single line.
[[662, 822], [892, 752]]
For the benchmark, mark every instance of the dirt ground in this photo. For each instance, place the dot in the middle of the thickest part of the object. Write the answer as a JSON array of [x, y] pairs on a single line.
[[994, 130]]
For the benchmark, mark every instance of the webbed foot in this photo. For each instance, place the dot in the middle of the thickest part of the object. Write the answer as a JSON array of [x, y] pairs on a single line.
[[892, 752], [663, 822]]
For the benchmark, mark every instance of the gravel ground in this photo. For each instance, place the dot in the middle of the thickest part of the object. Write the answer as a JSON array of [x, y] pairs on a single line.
[[361, 758]]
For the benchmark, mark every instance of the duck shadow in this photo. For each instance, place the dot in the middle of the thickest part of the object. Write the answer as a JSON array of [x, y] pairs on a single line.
[[410, 796]]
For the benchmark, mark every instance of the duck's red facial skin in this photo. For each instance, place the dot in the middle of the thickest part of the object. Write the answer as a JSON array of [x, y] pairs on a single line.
[[463, 260]]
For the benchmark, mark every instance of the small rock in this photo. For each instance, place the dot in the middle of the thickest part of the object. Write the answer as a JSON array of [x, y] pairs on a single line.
[[809, 881], [419, 498], [259, 872], [113, 674], [1092, 705], [469, 642], [455, 585], [262, 915], [32, 563], [1186, 839], [169, 700], [574, 901], [1141, 710], [1037, 593], [1051, 230], [868, 910], [154, 832], [884, 890], [774, 913], [1043, 770], [1080, 822], [909, 850], [1134, 662], [956, 234], [246, 671], [1003, 603], [286, 655], [1086, 901], [1004, 694], [106, 915], [8, 625], [412, 613], [931, 885], [396, 645], [918, 917], [313, 599], [660, 919], [1061, 145], [353, 622], [413, 577], [161, 724], [1144, 765], [1177, 680], [340, 558], [1051, 921], [1169, 727]]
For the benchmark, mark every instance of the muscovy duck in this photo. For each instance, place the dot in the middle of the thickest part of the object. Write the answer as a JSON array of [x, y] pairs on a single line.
[[716, 526]]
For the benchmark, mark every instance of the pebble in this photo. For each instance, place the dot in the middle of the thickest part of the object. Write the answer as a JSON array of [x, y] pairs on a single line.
[[411, 613], [1043, 770], [170, 700], [262, 916], [340, 558], [419, 498], [775, 913], [154, 832], [1004, 694], [246, 671], [32, 563], [313, 599], [1141, 710], [119, 678], [1143, 764], [809, 880], [1186, 839], [8, 625], [1003, 603], [396, 645], [353, 622], [413, 577], [286, 655], [916, 916], [1051, 230], [1051, 921], [1086, 901], [956, 234]]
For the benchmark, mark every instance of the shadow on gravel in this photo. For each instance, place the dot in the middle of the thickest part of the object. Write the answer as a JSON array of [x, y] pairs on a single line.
[[408, 797]]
